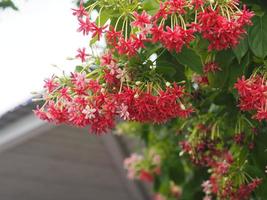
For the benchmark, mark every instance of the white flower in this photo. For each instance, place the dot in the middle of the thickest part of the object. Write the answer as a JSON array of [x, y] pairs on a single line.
[[206, 187], [89, 112]]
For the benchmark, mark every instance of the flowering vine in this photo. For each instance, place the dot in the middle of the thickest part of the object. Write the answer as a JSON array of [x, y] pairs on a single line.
[[185, 76]]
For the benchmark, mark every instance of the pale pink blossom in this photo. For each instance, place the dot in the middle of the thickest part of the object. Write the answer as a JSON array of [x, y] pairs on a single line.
[[89, 112], [123, 112]]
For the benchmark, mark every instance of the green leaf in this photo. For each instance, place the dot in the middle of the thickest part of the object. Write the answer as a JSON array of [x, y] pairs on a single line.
[[7, 4], [236, 70], [190, 58], [78, 68], [224, 98], [257, 9], [223, 59], [166, 69], [103, 17], [149, 5], [258, 36], [241, 49], [93, 40]]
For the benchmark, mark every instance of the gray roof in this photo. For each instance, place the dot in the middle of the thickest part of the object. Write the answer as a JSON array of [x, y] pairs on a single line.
[[41, 161], [16, 113]]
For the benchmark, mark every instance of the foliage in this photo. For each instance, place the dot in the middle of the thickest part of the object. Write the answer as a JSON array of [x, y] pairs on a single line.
[[7, 4]]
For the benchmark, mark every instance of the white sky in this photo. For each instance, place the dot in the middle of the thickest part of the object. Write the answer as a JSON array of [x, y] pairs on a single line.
[[41, 33]]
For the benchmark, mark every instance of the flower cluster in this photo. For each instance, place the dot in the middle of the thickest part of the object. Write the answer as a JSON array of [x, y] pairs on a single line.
[[142, 168], [243, 192], [82, 101], [221, 163], [145, 107], [252, 92], [71, 103], [222, 23], [223, 31]]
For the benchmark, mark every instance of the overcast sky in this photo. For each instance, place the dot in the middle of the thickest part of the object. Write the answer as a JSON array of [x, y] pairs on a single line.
[[41, 33]]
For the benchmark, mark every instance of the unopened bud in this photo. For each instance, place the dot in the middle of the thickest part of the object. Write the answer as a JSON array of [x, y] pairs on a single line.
[[168, 84], [182, 106], [137, 82]]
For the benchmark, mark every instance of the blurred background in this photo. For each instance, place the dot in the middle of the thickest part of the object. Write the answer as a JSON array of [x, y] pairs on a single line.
[[40, 161]]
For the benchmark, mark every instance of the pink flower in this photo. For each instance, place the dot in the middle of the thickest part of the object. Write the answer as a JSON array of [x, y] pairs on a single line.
[[206, 187], [158, 197], [123, 112]]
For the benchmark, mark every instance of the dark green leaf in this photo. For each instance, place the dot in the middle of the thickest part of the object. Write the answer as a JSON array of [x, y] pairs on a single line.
[[241, 49], [78, 68], [7, 4], [190, 58], [219, 78], [166, 69], [258, 36], [236, 70]]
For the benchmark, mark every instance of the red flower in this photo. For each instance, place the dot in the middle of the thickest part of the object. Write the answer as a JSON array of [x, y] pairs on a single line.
[[112, 36], [175, 39], [242, 86], [107, 59], [56, 113], [64, 93], [80, 12], [146, 176], [85, 26], [41, 114], [211, 67], [141, 20], [197, 3], [51, 84], [261, 114], [82, 54], [98, 31], [177, 6], [162, 12], [156, 32]]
